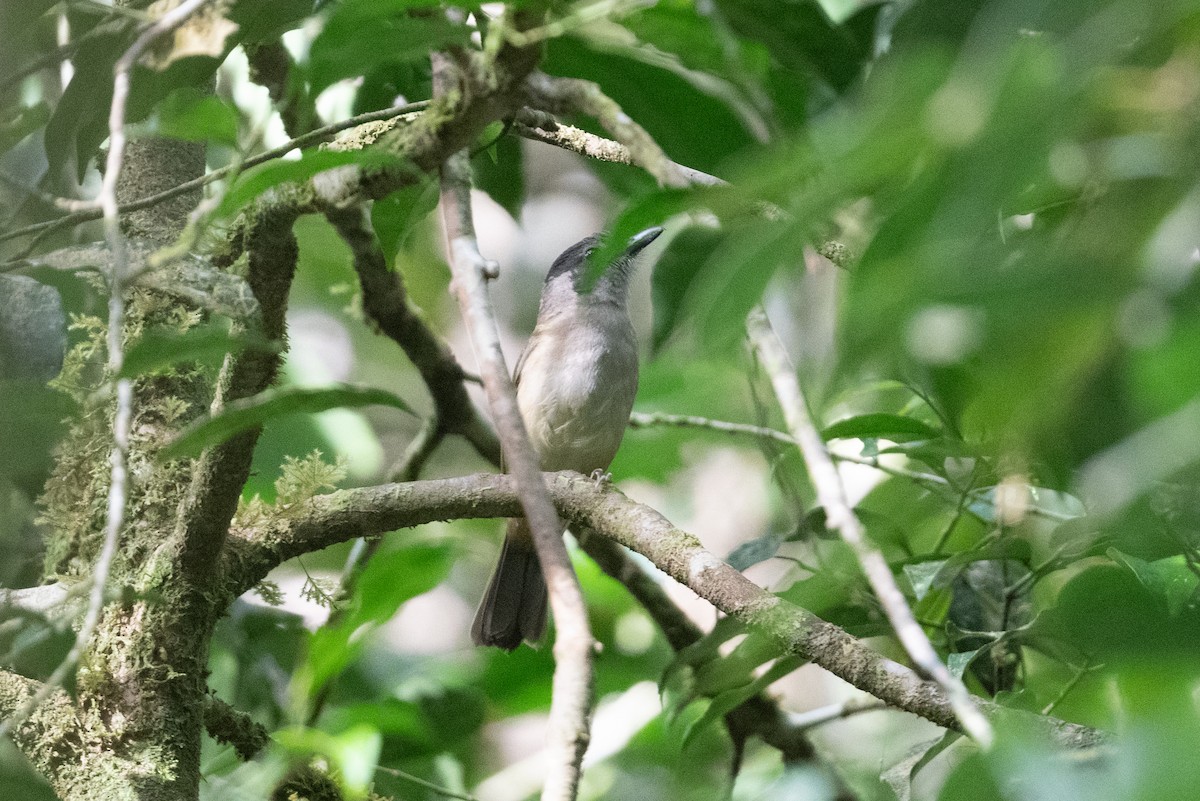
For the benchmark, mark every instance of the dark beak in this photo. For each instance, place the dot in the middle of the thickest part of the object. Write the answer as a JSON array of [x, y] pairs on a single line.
[[638, 242]]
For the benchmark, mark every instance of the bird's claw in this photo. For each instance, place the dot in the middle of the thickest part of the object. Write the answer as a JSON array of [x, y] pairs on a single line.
[[601, 477]]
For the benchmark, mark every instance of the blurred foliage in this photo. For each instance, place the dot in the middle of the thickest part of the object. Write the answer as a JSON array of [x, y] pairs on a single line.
[[1012, 337]]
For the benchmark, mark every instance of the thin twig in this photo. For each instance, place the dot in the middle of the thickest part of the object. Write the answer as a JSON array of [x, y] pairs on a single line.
[[646, 420], [840, 517], [932, 481], [582, 15], [959, 508], [428, 785], [652, 419], [1080, 672], [308, 139], [118, 489], [43, 61], [45, 198], [805, 721], [586, 143]]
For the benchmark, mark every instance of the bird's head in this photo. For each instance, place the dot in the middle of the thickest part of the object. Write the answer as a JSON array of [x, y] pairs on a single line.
[[575, 271]]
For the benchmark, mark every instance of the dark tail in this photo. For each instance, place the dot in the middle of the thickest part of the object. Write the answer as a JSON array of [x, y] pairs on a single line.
[[514, 607]]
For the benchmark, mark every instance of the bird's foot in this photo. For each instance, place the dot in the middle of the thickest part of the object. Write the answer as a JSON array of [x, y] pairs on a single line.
[[601, 477]]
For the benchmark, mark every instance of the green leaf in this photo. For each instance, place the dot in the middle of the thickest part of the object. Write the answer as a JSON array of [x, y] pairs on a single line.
[[422, 723], [698, 118], [400, 720], [837, 591], [396, 216], [80, 119], [258, 21], [677, 689], [392, 578], [884, 426], [728, 700], [901, 774], [674, 273], [1170, 579], [197, 116], [254, 182], [737, 668], [27, 120], [207, 344], [958, 663], [922, 574], [751, 552], [361, 33], [31, 422], [251, 412], [801, 36], [1007, 548], [16, 16], [735, 277], [644, 212], [500, 171], [356, 753], [677, 685]]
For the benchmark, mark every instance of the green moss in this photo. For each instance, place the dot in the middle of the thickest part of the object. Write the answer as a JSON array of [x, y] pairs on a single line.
[[74, 502]]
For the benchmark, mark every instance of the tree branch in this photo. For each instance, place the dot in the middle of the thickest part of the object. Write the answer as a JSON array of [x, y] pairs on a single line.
[[571, 95], [386, 304], [571, 700], [234, 727], [42, 600], [588, 144], [218, 476], [340, 516], [271, 67], [840, 517]]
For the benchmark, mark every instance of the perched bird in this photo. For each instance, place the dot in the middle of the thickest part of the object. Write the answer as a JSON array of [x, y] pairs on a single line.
[[576, 380]]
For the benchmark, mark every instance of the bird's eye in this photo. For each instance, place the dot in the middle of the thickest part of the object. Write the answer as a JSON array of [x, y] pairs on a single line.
[[587, 254]]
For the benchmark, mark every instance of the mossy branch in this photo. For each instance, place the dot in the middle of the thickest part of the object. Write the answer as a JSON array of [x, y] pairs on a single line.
[[329, 519]]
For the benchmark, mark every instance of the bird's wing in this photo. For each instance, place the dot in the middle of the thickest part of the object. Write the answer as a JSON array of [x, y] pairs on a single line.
[[521, 362], [517, 381]]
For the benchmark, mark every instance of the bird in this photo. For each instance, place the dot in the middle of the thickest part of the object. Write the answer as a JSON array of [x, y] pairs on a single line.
[[576, 380]]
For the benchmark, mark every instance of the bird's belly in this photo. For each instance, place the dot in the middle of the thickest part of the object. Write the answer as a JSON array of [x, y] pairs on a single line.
[[576, 412]]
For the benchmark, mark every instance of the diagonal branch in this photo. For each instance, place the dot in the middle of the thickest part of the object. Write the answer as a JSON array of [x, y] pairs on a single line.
[[588, 144], [340, 516], [841, 518], [575, 96], [386, 303], [218, 476]]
